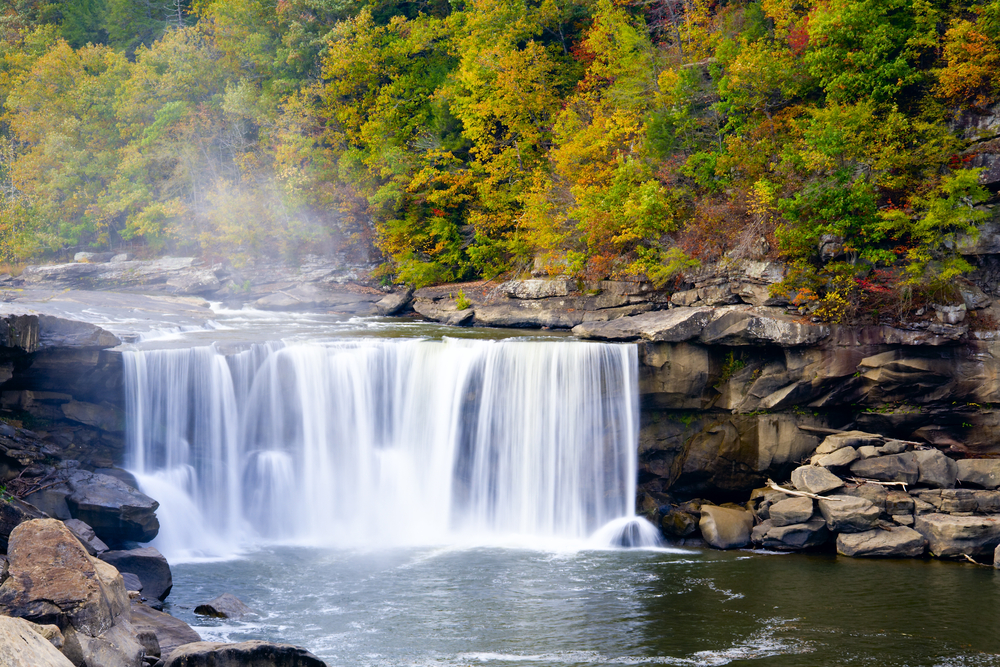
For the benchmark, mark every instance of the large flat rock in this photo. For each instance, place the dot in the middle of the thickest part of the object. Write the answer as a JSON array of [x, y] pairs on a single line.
[[951, 536]]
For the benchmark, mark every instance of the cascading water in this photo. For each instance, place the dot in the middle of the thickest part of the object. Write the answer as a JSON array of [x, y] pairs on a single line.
[[383, 441]]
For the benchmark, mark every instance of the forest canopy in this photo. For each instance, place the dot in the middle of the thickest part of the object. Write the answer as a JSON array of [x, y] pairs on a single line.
[[452, 140]]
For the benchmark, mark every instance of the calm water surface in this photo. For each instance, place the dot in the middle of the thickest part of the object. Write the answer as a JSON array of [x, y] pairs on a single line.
[[501, 606]]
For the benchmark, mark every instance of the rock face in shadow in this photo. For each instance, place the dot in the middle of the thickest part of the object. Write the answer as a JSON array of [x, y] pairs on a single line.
[[117, 512], [148, 565], [170, 632], [243, 654]]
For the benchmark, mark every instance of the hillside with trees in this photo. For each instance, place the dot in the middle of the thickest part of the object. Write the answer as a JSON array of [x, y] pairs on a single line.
[[483, 138]]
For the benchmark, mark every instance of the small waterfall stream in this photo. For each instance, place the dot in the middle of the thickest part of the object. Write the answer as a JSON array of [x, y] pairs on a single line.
[[383, 441]]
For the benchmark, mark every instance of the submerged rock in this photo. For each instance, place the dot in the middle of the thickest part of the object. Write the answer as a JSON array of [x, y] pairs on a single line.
[[226, 605], [243, 654]]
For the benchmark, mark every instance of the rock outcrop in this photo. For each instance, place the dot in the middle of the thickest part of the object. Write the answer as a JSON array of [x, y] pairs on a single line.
[[148, 565]]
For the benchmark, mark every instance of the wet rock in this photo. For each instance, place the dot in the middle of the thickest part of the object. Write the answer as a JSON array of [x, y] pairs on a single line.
[[213, 654], [308, 296], [815, 480], [394, 303], [21, 645], [894, 468], [146, 563], [725, 528], [790, 511], [797, 536], [900, 542], [226, 605], [117, 512], [935, 469], [984, 473], [91, 542], [170, 632], [848, 514], [954, 536], [839, 459], [14, 512]]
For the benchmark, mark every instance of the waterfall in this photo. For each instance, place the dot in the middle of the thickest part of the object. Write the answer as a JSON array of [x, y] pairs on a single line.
[[382, 441]]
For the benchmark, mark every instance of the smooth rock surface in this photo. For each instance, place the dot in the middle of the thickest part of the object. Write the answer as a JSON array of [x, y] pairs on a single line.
[[935, 469], [792, 510], [984, 473], [815, 479], [117, 512], [243, 654], [900, 542], [22, 646], [146, 563], [893, 468], [91, 542], [954, 536], [725, 528], [848, 514], [794, 537], [838, 459]]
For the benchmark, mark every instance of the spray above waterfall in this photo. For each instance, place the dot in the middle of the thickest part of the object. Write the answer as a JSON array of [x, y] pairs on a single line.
[[383, 441]]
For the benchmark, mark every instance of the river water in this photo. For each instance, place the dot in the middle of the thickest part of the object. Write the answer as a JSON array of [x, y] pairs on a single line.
[[384, 493]]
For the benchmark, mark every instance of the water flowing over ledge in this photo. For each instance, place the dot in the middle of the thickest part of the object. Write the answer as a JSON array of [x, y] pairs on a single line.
[[383, 442]]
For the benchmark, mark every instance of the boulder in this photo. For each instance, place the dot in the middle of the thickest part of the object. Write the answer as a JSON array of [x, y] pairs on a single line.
[[841, 458], [792, 510], [243, 654], [21, 645], [394, 303], [900, 542], [132, 582], [14, 512], [935, 469], [170, 632], [898, 503], [984, 473], [676, 522], [956, 536], [815, 480], [893, 447], [806, 535], [987, 502], [116, 647], [117, 512], [53, 580], [876, 494], [90, 541], [444, 311], [226, 605], [146, 563], [848, 514], [893, 468], [725, 528], [742, 326], [102, 416]]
